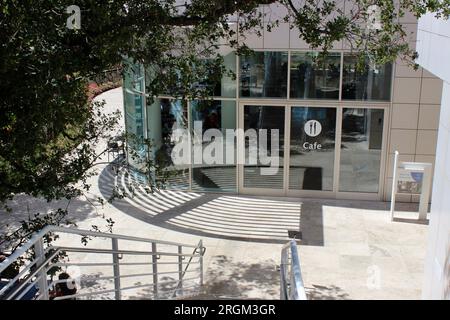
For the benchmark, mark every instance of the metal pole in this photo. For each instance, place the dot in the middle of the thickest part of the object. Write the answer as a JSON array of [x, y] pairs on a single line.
[[180, 269], [116, 269], [394, 185], [283, 293], [155, 271], [42, 275], [200, 244], [425, 195]]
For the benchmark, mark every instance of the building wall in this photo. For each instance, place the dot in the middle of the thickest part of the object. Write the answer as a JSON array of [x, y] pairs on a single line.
[[415, 107], [414, 116], [434, 52]]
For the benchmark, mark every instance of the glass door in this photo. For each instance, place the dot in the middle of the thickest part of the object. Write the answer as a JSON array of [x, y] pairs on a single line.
[[312, 149], [317, 151], [262, 147]]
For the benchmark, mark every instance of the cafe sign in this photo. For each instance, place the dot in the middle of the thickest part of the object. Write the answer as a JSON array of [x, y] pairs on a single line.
[[312, 129]]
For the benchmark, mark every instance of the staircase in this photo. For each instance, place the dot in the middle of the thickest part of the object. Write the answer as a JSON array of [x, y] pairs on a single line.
[[107, 266]]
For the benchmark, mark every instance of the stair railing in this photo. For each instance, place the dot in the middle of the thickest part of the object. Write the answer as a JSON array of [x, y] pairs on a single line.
[[291, 282], [107, 254]]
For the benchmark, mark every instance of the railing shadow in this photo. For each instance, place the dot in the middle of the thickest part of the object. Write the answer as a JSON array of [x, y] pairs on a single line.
[[224, 216], [230, 279]]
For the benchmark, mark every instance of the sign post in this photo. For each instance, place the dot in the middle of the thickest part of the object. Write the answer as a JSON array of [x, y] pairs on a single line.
[[394, 184], [411, 178]]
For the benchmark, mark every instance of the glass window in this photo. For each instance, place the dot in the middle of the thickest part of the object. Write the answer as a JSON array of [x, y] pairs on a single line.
[[134, 114], [263, 75], [133, 77], [368, 83], [315, 77], [213, 77], [264, 146], [312, 148], [227, 86], [134, 127], [164, 116], [362, 136], [214, 149]]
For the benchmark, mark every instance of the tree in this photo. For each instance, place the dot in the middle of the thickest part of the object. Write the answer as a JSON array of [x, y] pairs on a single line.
[[49, 129]]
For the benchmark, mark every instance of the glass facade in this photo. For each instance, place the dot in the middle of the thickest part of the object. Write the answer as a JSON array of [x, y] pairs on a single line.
[[297, 96], [371, 83], [268, 121], [227, 87], [315, 77], [164, 118], [211, 122], [264, 75], [362, 137], [134, 102]]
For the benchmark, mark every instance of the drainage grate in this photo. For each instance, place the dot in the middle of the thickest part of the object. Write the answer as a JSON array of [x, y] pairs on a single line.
[[295, 234]]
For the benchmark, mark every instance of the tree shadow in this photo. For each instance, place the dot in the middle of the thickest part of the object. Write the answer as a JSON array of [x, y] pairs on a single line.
[[25, 207], [91, 284], [229, 279], [223, 216], [319, 292]]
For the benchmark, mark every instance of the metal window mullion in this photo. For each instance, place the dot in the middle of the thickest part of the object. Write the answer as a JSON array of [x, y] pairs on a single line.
[[341, 76], [287, 147], [191, 140], [337, 149], [144, 105], [288, 94]]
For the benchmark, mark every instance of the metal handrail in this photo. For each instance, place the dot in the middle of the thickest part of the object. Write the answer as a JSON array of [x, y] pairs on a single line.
[[291, 282], [180, 281], [35, 238], [34, 275]]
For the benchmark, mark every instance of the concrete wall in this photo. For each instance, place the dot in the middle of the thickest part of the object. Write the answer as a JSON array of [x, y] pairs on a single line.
[[434, 55]]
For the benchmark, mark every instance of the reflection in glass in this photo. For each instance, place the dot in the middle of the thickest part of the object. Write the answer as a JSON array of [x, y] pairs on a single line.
[[362, 136], [227, 87], [371, 83], [134, 113], [256, 119], [163, 117], [312, 148], [134, 104], [218, 82], [315, 77], [264, 75], [220, 116]]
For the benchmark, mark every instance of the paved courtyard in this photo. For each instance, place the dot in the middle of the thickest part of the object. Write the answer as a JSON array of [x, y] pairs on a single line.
[[348, 249]]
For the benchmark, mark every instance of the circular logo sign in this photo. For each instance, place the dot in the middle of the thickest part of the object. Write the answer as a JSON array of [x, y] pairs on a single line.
[[313, 128]]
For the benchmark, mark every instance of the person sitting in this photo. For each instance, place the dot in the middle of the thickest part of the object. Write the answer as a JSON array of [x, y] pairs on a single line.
[[64, 288]]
